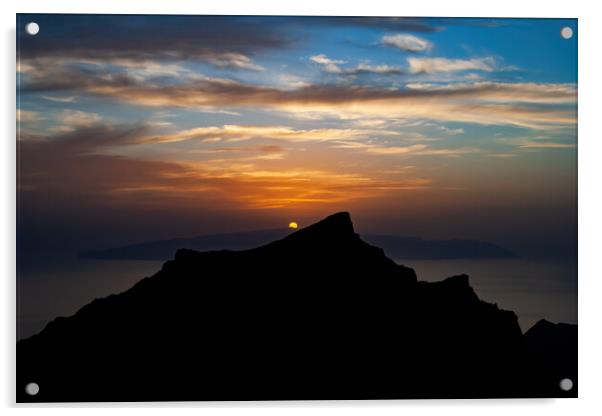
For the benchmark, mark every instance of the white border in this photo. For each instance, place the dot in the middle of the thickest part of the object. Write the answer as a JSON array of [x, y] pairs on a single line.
[[590, 206]]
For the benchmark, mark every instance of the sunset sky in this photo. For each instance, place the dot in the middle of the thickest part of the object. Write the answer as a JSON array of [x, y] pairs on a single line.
[[145, 127]]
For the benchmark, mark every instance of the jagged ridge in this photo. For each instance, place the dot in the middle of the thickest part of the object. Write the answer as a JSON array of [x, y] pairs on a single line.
[[319, 314]]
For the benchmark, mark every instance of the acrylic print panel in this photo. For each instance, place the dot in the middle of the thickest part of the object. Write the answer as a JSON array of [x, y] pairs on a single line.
[[259, 208]]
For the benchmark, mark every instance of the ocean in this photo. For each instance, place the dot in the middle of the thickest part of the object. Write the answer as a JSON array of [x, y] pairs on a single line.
[[533, 289]]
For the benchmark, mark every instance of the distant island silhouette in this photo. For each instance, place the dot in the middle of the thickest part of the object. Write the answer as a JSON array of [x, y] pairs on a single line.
[[317, 314], [397, 247]]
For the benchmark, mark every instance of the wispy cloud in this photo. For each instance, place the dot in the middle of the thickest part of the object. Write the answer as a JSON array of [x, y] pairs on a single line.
[[406, 42], [432, 65], [532, 144], [330, 65], [235, 133], [235, 60], [28, 116], [415, 66], [224, 40], [368, 68], [503, 92], [414, 149], [524, 144], [502, 155], [529, 105], [333, 66], [76, 162], [77, 118], [68, 99]]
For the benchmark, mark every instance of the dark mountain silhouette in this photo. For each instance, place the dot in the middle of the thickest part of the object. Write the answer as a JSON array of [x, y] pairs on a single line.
[[396, 247], [319, 314], [554, 348]]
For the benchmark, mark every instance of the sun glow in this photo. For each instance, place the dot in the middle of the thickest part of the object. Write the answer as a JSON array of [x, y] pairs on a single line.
[[293, 225]]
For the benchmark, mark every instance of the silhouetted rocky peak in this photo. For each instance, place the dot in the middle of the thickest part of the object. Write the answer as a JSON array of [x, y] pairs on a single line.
[[554, 349], [317, 314], [545, 333], [545, 327], [336, 226], [333, 230], [332, 235], [329, 249]]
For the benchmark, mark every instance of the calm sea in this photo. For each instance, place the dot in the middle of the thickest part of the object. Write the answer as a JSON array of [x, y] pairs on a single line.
[[533, 289], [48, 290]]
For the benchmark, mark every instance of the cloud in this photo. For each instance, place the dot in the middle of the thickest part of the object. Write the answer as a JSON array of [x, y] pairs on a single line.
[[376, 69], [502, 92], [529, 105], [266, 152], [27, 116], [406, 42], [225, 38], [83, 139], [539, 142], [395, 150], [532, 144], [333, 66], [77, 118], [448, 152], [139, 69], [231, 42], [198, 37], [414, 150], [330, 65], [51, 76], [502, 155], [236, 61], [77, 163], [68, 99], [235, 133], [452, 132], [433, 65], [444, 129], [289, 81]]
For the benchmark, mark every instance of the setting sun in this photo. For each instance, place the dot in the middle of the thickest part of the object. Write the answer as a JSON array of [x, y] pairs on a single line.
[[293, 225]]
